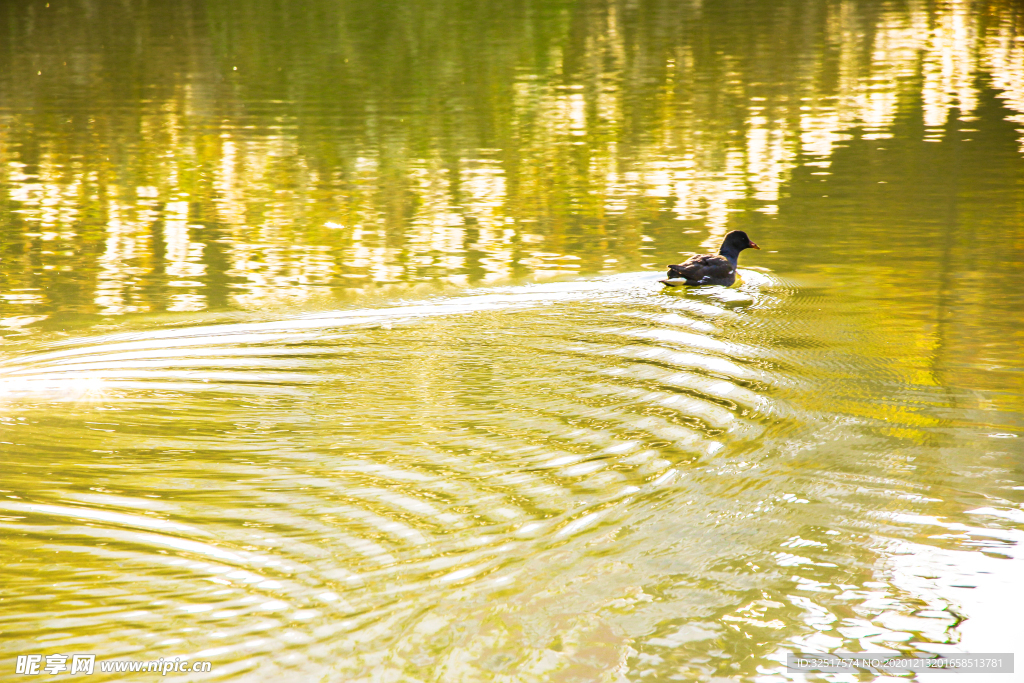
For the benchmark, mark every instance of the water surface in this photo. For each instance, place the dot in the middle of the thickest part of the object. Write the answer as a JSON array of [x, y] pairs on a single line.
[[333, 346]]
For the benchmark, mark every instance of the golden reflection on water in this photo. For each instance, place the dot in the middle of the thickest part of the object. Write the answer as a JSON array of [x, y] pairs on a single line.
[[333, 345], [597, 481], [235, 182]]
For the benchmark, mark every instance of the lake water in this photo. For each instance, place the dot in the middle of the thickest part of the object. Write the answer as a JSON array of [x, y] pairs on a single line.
[[333, 347]]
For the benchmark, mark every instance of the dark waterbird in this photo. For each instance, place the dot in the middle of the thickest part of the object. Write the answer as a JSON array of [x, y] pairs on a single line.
[[711, 269]]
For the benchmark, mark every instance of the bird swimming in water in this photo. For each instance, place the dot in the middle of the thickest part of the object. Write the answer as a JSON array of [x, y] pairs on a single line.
[[712, 269]]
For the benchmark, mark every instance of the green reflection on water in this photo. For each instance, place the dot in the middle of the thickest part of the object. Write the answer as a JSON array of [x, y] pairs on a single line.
[[585, 479], [185, 156]]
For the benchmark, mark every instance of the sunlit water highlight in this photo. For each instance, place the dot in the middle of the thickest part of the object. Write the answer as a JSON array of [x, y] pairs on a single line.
[[331, 346], [594, 479]]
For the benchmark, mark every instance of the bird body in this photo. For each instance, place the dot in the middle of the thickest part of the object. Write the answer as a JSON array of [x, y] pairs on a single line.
[[712, 269]]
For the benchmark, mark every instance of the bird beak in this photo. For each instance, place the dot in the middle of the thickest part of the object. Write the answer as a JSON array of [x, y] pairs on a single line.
[[754, 246]]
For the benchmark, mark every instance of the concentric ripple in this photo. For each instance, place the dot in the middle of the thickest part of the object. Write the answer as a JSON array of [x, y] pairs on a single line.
[[506, 485]]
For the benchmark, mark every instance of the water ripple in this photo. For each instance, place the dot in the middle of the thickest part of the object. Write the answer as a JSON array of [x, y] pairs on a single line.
[[581, 453]]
